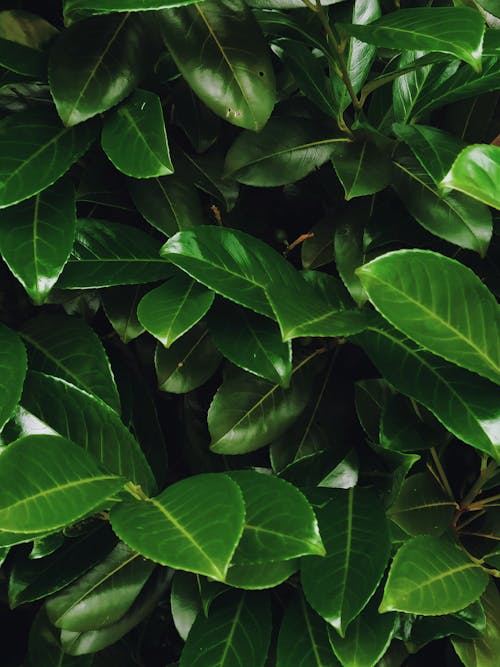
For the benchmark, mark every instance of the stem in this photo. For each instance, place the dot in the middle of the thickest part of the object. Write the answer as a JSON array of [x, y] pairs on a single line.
[[136, 491], [487, 471], [442, 474]]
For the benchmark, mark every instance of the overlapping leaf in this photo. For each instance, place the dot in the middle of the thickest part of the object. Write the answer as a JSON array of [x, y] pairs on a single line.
[[440, 304], [77, 8], [35, 151], [232, 74], [465, 403], [202, 540], [431, 575], [23, 41], [12, 372], [134, 137], [483, 651], [476, 172], [47, 482], [107, 254], [88, 422], [355, 533], [36, 237], [68, 348]]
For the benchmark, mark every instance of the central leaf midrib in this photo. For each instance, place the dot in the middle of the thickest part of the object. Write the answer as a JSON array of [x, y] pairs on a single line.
[[433, 316]]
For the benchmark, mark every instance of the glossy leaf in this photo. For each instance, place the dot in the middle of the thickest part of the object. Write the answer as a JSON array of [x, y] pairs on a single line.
[[23, 40], [77, 8], [201, 541], [431, 575], [168, 203], [465, 403], [457, 31], [453, 217], [422, 507], [349, 252], [476, 172], [236, 632], [403, 429], [48, 482], [31, 580], [233, 74], [253, 342], [68, 348], [13, 365], [188, 363], [440, 304], [366, 639], [89, 422], [44, 646], [303, 637], [134, 137], [87, 78], [286, 150], [107, 254], [355, 533], [102, 595], [434, 149], [120, 305], [408, 87], [248, 412], [279, 522], [185, 601], [35, 151], [36, 237], [171, 309], [255, 577], [361, 168], [483, 651]]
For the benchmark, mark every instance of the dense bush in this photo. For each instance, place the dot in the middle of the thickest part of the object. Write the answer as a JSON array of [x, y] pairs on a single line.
[[250, 351]]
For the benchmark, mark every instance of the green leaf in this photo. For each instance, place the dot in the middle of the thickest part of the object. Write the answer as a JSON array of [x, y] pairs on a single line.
[[446, 84], [430, 576], [168, 203], [44, 646], [476, 172], [356, 536], [249, 272], [453, 217], [317, 251], [13, 365], [466, 404], [202, 540], [361, 168], [237, 632], [367, 637], [31, 580], [89, 422], [422, 507], [171, 309], [185, 601], [309, 72], [434, 149], [102, 595], [349, 251], [23, 39], [188, 363], [371, 398], [120, 305], [36, 237], [440, 304], [403, 429], [279, 522], [253, 577], [108, 253], [134, 137], [248, 412], [68, 348], [408, 87], [252, 342], [286, 150], [303, 637], [74, 9], [89, 77], [35, 151], [232, 74], [201, 126], [457, 31], [483, 651], [47, 482], [81, 643]]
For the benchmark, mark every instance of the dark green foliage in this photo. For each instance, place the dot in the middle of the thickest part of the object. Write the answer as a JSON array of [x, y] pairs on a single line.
[[249, 333]]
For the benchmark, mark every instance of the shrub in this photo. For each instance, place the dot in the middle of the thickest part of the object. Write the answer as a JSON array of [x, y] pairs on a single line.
[[250, 345]]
